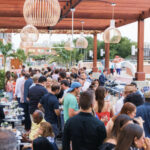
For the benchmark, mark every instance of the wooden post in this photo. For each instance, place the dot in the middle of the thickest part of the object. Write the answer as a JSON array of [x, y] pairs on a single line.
[[95, 69], [107, 46], [140, 75]]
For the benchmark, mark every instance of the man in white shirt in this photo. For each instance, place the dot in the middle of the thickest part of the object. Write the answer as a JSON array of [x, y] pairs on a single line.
[[19, 83], [86, 83]]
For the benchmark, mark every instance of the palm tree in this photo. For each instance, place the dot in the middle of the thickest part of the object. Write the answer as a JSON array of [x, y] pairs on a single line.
[[5, 50], [20, 54]]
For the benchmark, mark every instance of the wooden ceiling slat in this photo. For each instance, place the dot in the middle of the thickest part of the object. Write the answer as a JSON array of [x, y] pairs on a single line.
[[96, 14]]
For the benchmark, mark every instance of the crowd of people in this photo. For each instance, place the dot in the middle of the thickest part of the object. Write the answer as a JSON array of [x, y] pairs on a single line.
[[73, 106]]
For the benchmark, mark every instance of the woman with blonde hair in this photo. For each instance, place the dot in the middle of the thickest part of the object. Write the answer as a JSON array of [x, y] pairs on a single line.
[[46, 131]]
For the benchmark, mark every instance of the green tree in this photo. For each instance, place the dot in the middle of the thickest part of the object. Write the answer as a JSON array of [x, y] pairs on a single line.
[[65, 57], [123, 48], [5, 50], [20, 54]]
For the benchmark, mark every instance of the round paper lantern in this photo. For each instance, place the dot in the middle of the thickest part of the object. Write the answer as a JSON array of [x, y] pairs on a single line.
[[112, 34], [41, 12], [29, 34], [81, 42], [69, 45]]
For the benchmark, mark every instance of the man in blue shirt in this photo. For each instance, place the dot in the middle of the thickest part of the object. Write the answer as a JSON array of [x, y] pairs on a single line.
[[50, 105], [36, 93], [144, 112]]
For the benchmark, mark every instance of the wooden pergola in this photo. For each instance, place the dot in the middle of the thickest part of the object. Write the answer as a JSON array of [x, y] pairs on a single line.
[[95, 13]]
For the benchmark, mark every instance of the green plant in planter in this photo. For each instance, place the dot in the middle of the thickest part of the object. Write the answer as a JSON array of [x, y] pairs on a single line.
[[2, 79]]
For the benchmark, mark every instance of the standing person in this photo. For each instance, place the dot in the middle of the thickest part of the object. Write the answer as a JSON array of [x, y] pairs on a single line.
[[19, 83], [50, 104], [112, 67], [84, 130], [119, 123], [55, 76], [9, 88], [36, 93], [86, 82], [70, 101], [27, 85], [102, 78], [118, 68], [144, 112], [23, 68], [24, 104], [130, 138], [103, 108]]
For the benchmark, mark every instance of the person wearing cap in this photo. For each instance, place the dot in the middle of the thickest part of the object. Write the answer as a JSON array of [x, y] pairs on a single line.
[[70, 101], [144, 112]]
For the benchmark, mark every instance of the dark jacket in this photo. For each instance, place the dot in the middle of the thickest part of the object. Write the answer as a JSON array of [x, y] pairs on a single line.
[[144, 112], [102, 79], [85, 131], [27, 85]]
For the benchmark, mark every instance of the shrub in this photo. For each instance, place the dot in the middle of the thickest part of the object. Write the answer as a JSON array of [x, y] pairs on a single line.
[[2, 79]]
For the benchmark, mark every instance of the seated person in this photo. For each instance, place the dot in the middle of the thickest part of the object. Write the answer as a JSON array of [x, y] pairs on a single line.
[[46, 130], [37, 119]]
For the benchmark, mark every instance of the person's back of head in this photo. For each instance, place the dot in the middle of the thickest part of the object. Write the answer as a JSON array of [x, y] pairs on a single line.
[[7, 140], [56, 71], [99, 96], [129, 136], [62, 74], [47, 130], [55, 87], [129, 109], [134, 98], [42, 79], [42, 143], [119, 123], [86, 100], [23, 73], [35, 78], [27, 76], [65, 83]]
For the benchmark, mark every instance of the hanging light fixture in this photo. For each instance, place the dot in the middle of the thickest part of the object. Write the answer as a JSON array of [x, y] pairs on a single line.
[[112, 34], [29, 34], [82, 41], [69, 45], [41, 12]]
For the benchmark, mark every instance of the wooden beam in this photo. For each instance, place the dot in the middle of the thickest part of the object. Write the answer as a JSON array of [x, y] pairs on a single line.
[[67, 7], [85, 15]]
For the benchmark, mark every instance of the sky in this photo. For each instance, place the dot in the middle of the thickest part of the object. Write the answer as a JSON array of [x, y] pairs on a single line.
[[129, 31]]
